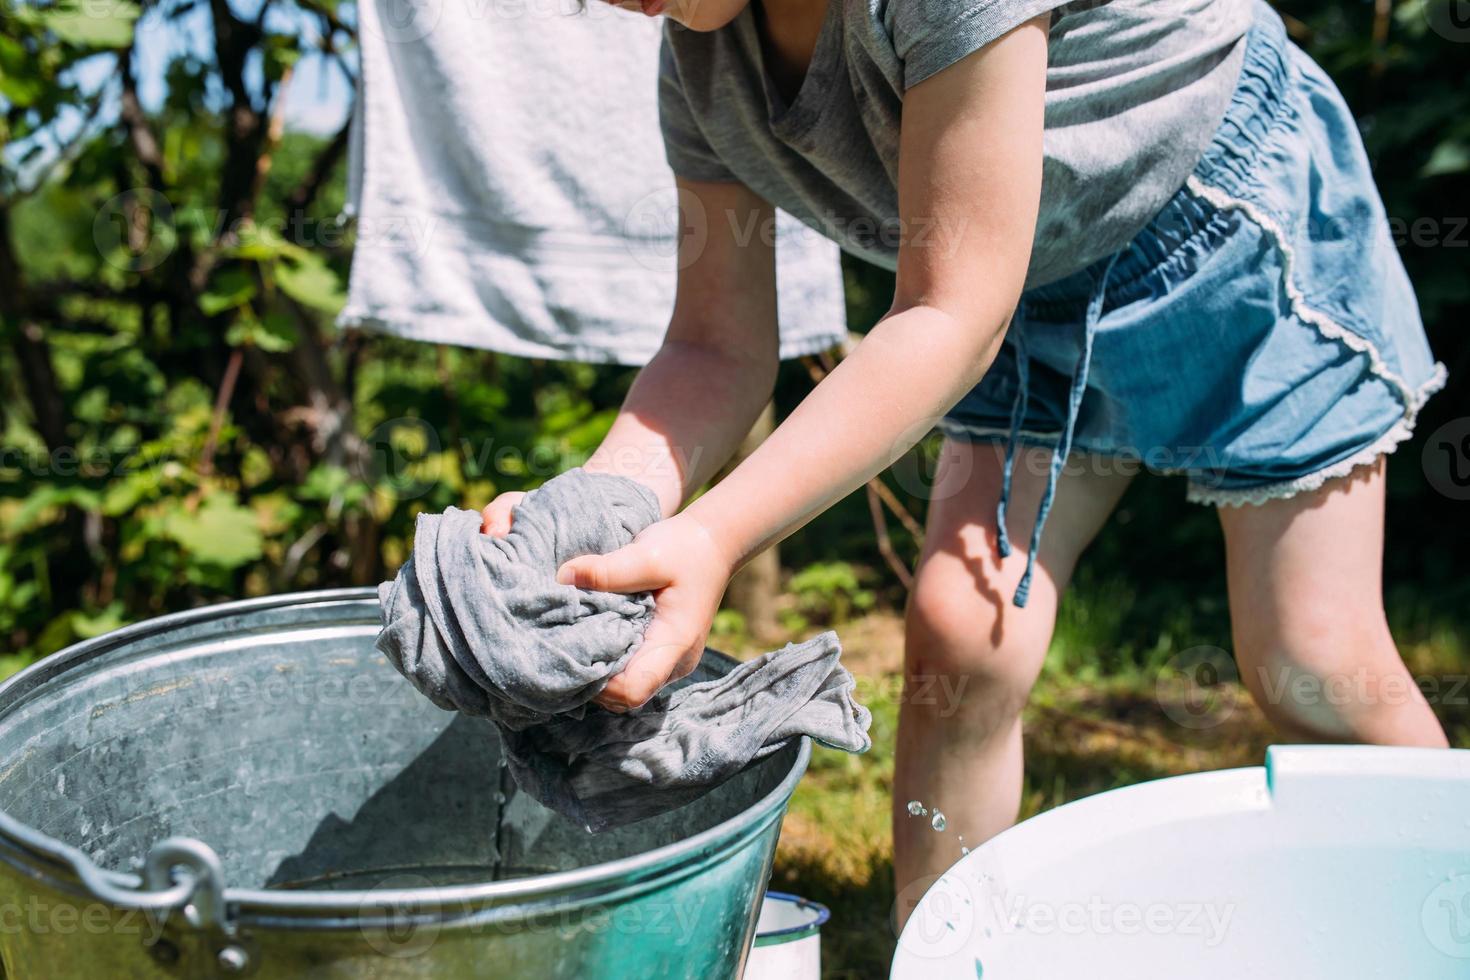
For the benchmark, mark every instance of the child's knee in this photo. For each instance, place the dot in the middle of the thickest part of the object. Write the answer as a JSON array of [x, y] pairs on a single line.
[[1333, 677], [969, 645]]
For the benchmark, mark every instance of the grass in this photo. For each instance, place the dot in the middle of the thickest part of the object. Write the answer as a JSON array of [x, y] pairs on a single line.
[[1104, 714]]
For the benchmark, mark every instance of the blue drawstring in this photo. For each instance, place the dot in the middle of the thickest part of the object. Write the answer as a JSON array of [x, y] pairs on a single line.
[[1063, 447], [1018, 412]]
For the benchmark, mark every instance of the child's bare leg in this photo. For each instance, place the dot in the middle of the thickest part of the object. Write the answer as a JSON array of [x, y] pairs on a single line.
[[971, 656], [1306, 599]]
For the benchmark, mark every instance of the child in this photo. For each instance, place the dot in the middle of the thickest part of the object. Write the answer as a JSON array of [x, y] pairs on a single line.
[[1132, 231]]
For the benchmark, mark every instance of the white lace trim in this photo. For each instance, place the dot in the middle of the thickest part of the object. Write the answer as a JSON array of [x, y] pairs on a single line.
[[1382, 446], [1412, 399], [1325, 325]]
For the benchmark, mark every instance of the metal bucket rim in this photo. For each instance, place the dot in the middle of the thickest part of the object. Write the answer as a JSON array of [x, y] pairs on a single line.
[[123, 888]]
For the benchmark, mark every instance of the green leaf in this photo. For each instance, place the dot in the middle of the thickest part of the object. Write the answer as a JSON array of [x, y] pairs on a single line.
[[274, 334], [323, 482], [20, 91], [280, 52], [123, 496], [219, 532], [1449, 157], [39, 508], [103, 621], [12, 56], [263, 243], [311, 282], [90, 24], [227, 289]]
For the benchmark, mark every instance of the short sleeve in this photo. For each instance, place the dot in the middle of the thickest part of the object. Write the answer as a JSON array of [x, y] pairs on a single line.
[[930, 35], [685, 146]]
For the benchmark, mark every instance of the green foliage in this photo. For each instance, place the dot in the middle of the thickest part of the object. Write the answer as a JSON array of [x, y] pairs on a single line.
[[92, 26], [201, 431], [829, 592], [198, 430]]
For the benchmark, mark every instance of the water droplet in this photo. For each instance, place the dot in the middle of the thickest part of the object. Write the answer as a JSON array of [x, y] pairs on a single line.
[[964, 850], [938, 823], [916, 809]]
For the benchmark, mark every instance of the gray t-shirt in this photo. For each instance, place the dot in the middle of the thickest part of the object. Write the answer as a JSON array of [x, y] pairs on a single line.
[[1135, 89]]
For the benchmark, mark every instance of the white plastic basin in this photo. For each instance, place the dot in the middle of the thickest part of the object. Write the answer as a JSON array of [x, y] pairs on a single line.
[[1329, 861]]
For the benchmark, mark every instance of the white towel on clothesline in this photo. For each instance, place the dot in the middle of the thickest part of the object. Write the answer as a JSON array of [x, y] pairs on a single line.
[[510, 189]]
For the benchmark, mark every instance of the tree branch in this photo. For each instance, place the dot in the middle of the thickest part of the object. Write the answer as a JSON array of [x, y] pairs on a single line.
[[31, 350], [274, 130], [233, 42], [320, 172], [140, 134]]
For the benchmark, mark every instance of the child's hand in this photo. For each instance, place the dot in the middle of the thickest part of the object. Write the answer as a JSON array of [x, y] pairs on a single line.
[[680, 562], [495, 518]]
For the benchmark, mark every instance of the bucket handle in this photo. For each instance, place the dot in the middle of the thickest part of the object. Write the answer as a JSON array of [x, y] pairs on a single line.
[[199, 891], [202, 884], [203, 881]]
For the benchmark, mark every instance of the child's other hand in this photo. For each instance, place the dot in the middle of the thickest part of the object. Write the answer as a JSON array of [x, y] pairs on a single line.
[[495, 518], [680, 562]]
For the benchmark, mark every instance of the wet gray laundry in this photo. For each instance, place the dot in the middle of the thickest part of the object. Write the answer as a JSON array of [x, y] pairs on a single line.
[[480, 625]]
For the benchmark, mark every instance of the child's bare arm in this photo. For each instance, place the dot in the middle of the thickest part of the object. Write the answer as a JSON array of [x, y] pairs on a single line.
[[970, 173], [693, 403]]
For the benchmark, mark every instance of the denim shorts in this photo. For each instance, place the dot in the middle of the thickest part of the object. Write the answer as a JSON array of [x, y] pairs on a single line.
[[1260, 336]]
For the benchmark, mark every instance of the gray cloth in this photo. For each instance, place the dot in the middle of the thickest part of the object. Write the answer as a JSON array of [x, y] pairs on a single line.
[[511, 190], [1134, 91], [480, 625]]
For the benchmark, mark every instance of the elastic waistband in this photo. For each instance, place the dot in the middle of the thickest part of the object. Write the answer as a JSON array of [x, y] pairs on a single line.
[[1261, 100], [1262, 97]]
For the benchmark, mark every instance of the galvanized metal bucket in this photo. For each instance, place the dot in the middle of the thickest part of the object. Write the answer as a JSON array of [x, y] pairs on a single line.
[[251, 790]]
